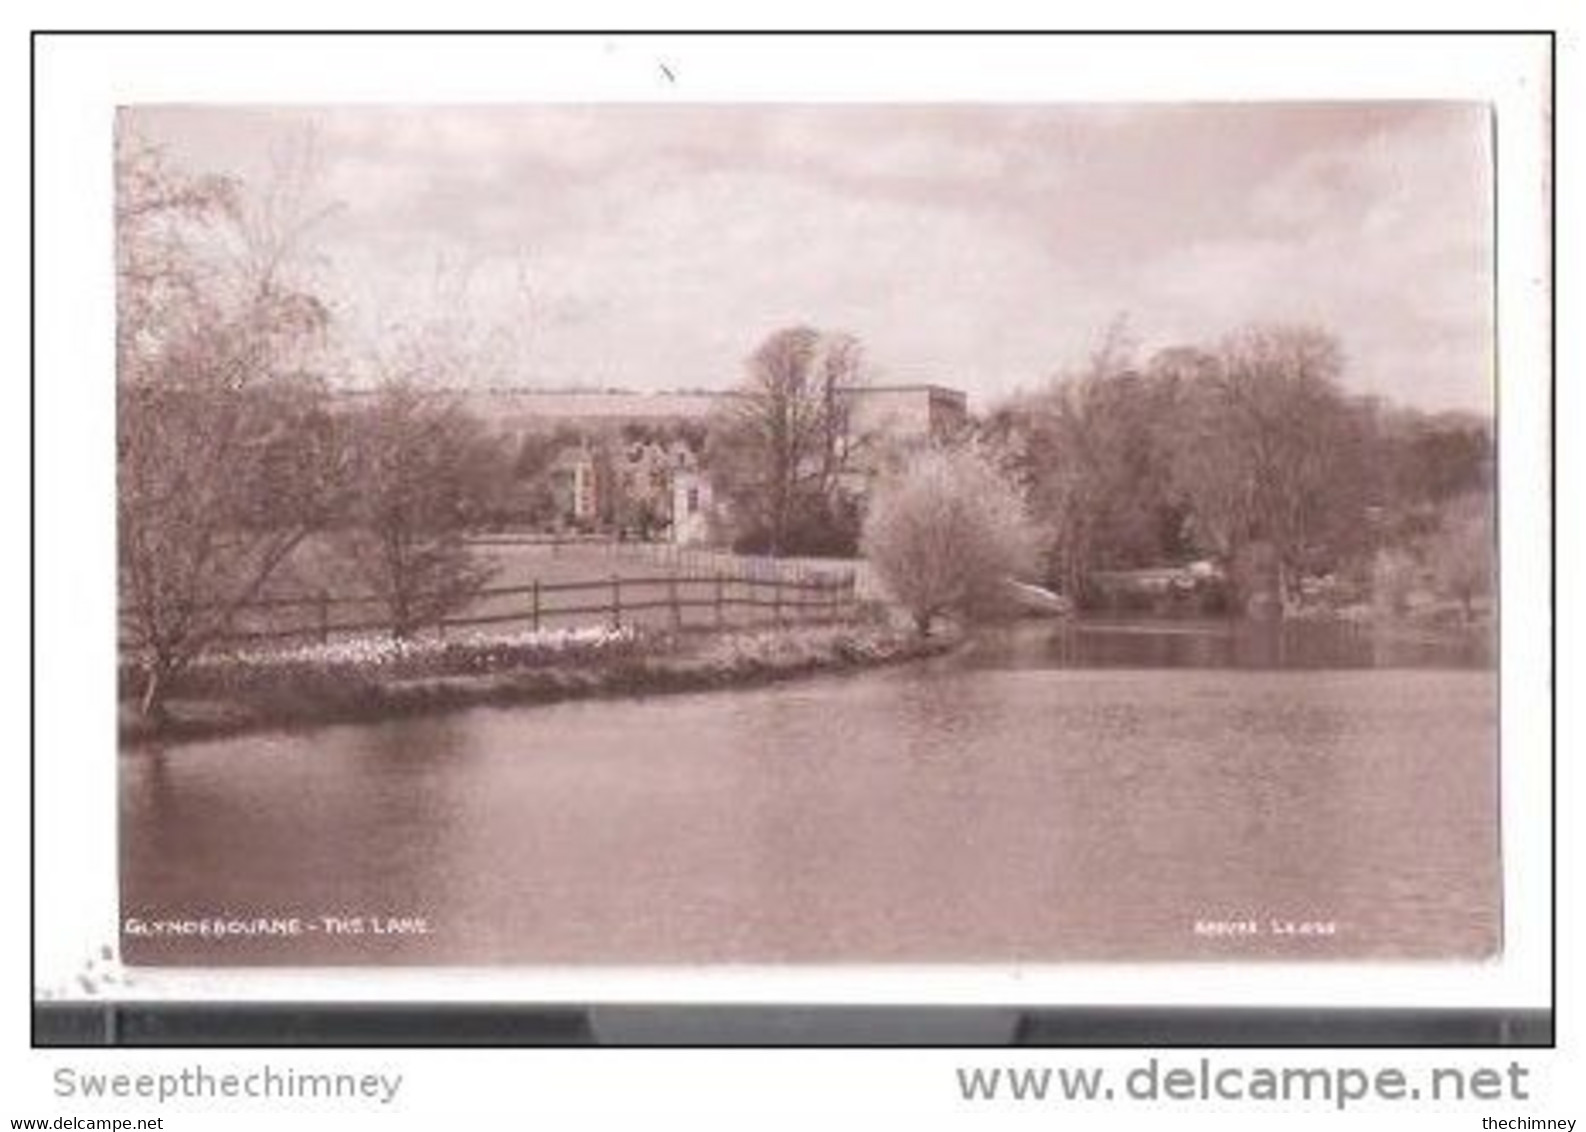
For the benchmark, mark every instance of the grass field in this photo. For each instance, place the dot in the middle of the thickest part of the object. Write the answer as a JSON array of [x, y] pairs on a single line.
[[589, 583], [644, 585]]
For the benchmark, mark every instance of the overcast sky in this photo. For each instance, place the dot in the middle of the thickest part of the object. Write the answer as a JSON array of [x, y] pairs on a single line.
[[983, 247]]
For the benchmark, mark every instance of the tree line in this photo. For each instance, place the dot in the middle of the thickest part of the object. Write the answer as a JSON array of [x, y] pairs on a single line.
[[1247, 453], [1244, 456], [237, 468]]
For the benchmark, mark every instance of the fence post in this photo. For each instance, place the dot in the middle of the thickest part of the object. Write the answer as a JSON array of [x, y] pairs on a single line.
[[677, 610], [536, 591], [616, 601], [324, 618], [719, 589], [776, 597]]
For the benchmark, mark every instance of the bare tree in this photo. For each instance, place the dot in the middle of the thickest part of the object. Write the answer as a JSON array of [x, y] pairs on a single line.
[[1266, 447], [226, 455], [427, 471], [946, 533], [781, 450], [1096, 467]]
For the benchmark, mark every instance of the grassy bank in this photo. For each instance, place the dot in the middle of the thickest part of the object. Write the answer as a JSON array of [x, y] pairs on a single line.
[[380, 679]]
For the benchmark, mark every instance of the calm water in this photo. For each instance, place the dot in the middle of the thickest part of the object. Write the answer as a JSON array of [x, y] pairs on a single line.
[[1045, 795]]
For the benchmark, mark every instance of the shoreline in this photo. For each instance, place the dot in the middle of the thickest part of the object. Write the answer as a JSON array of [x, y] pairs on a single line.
[[240, 698], [659, 666]]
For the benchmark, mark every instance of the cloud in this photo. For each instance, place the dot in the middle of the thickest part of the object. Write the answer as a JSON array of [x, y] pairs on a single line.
[[980, 246], [1385, 239]]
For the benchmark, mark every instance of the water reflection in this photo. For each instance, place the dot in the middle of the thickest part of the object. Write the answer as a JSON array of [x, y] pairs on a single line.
[[1087, 792], [1233, 644]]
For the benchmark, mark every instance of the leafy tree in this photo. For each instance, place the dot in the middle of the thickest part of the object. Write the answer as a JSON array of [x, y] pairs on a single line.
[[1463, 553], [1444, 457], [1393, 572], [535, 454], [946, 533], [1422, 462]]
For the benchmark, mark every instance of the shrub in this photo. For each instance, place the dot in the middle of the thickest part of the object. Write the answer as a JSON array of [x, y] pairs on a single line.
[[945, 534]]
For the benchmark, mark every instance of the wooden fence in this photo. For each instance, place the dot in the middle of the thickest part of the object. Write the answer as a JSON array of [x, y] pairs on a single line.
[[708, 561], [670, 601], [686, 558]]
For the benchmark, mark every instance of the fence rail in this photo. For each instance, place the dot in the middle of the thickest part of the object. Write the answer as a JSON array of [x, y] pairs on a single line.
[[670, 600]]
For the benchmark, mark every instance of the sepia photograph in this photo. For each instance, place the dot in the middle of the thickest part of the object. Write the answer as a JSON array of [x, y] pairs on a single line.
[[765, 533]]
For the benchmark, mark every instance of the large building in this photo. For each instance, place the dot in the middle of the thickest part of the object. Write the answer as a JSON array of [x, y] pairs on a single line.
[[901, 411], [898, 411], [631, 460], [909, 412], [523, 410]]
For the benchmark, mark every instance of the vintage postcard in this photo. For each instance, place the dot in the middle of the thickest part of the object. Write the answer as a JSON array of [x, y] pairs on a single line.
[[779, 533]]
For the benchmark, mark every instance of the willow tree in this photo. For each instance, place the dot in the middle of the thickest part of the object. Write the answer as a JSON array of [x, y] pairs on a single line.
[[226, 455]]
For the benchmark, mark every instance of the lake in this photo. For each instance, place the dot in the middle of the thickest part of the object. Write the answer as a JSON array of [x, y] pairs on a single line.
[[1102, 792]]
